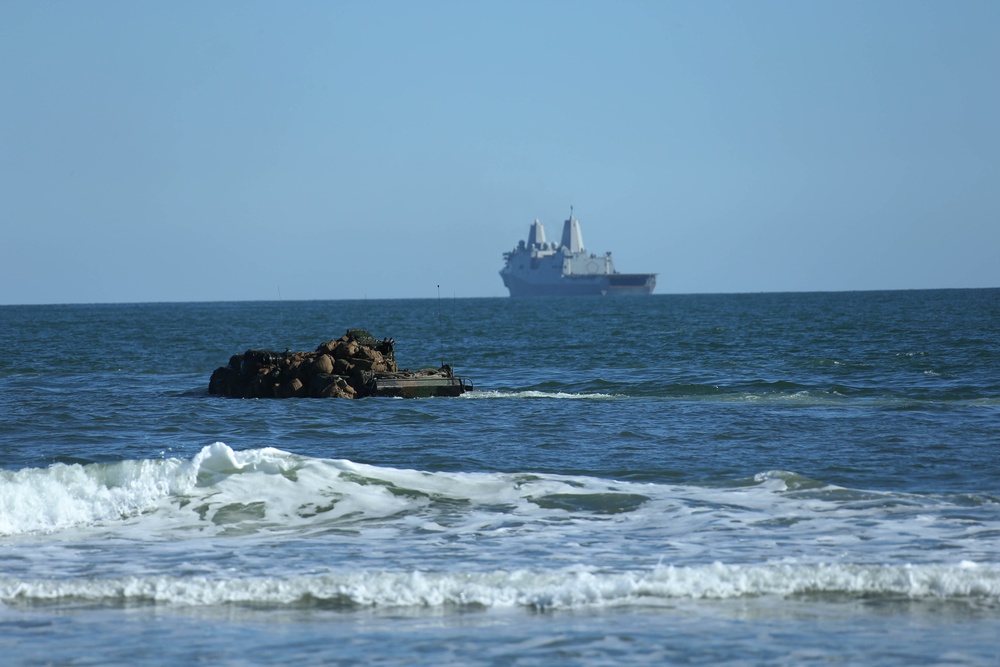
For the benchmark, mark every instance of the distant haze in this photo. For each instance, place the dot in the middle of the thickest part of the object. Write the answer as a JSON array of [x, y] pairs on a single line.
[[196, 151]]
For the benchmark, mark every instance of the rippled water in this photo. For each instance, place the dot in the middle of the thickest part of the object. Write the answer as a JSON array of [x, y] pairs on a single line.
[[724, 479]]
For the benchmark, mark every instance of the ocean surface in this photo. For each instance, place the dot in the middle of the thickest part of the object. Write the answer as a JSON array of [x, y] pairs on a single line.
[[786, 479]]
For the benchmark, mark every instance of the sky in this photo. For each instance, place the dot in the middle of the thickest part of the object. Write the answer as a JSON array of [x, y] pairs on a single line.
[[230, 151]]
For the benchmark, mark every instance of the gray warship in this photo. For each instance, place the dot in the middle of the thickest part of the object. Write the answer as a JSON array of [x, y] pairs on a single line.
[[540, 268]]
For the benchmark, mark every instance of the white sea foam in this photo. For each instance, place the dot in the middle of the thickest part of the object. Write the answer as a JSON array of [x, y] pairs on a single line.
[[561, 395], [70, 495], [152, 518], [558, 589]]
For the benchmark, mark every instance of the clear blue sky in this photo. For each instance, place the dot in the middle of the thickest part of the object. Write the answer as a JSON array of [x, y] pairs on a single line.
[[193, 151]]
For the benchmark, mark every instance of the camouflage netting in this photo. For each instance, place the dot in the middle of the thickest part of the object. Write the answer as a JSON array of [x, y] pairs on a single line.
[[340, 368]]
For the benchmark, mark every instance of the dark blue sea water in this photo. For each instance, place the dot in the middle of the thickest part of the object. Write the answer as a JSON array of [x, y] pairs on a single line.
[[705, 479]]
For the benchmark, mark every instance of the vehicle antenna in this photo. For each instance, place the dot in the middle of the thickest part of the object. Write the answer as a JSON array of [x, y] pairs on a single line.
[[440, 331], [281, 312]]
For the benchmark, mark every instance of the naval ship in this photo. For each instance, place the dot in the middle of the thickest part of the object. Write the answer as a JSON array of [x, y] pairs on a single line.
[[540, 268]]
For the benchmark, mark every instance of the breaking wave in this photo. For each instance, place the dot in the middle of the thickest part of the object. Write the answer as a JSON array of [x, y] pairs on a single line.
[[265, 526], [563, 589]]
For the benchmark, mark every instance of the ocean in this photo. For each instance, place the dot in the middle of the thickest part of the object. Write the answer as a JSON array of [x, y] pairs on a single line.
[[746, 479]]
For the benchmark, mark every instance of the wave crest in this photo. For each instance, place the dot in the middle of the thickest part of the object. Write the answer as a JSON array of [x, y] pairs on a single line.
[[564, 589]]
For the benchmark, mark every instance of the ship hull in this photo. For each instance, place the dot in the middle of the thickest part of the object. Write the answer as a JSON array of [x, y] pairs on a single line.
[[618, 284]]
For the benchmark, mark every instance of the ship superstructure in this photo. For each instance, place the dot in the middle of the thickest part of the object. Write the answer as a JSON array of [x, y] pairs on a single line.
[[537, 267]]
